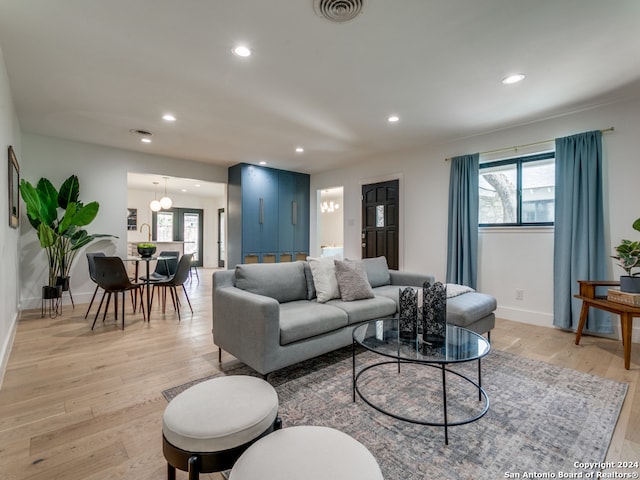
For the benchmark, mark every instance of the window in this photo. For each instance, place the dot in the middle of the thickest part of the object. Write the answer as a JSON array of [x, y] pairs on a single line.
[[164, 226], [518, 191]]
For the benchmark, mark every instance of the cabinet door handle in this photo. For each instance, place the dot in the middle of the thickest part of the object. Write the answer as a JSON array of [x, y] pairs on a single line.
[[294, 213], [261, 215]]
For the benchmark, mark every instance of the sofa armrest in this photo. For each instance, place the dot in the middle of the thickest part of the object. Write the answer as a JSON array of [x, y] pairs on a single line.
[[246, 325], [410, 279]]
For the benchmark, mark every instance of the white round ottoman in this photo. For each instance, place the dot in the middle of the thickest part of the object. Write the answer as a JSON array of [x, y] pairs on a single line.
[[306, 453], [208, 426]]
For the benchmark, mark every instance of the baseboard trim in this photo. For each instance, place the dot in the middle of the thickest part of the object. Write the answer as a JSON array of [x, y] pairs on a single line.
[[546, 320], [6, 347]]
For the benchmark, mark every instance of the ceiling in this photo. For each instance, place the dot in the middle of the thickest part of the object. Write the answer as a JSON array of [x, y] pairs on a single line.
[[174, 185], [92, 70]]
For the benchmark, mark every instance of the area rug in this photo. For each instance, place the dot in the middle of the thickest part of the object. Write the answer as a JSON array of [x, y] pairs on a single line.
[[542, 418]]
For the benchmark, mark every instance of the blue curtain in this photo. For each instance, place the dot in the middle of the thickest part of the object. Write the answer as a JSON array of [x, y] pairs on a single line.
[[462, 252], [579, 247]]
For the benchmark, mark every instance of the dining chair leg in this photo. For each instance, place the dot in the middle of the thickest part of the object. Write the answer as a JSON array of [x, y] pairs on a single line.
[[106, 308], [174, 297], [91, 304], [187, 296], [145, 317], [98, 311], [123, 302]]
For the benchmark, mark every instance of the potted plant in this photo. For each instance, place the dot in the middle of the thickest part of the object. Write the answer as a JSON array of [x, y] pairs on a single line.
[[57, 217], [146, 249], [628, 257]]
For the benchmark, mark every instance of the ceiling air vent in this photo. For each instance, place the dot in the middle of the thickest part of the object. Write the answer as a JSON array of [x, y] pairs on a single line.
[[338, 11]]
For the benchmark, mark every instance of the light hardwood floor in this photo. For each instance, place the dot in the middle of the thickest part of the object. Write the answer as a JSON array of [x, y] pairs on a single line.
[[82, 404]]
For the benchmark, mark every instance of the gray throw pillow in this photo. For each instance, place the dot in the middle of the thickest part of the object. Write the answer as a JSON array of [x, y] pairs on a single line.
[[352, 281], [377, 271]]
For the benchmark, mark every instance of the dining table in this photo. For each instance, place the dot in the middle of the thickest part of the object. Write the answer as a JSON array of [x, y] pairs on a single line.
[[147, 260]]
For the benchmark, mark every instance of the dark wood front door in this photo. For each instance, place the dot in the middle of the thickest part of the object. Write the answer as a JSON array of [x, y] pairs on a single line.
[[380, 217]]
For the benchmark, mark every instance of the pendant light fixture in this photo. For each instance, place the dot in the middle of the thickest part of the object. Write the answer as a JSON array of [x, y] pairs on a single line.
[[155, 204], [165, 202]]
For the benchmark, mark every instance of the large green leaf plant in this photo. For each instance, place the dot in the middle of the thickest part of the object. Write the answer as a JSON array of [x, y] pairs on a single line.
[[628, 253], [58, 218]]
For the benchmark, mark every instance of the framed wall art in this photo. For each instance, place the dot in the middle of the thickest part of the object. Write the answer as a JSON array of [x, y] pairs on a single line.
[[14, 186]]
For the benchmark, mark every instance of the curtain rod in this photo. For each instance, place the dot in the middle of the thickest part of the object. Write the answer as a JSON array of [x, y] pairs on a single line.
[[516, 147]]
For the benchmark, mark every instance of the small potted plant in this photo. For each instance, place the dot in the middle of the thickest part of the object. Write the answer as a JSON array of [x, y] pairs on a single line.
[[146, 249], [628, 257]]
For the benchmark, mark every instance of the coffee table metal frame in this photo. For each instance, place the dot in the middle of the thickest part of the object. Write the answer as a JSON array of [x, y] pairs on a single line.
[[402, 355]]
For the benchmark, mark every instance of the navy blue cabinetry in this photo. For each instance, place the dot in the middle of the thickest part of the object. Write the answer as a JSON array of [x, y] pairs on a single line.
[[268, 217]]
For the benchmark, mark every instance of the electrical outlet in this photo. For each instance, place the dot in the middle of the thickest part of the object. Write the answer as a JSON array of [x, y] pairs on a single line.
[[519, 294]]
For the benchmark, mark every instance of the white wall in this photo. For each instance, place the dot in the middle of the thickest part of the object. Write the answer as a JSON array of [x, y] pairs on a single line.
[[331, 224], [102, 173], [9, 237], [509, 260], [140, 199]]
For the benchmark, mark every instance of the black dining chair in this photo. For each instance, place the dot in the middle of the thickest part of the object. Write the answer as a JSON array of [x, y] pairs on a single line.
[[178, 280], [92, 276], [165, 268], [111, 276]]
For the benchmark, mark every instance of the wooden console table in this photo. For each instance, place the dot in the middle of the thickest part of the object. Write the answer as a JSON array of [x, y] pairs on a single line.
[[627, 312]]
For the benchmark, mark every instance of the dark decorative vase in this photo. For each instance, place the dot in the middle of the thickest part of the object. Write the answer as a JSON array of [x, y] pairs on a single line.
[[434, 314], [408, 318], [146, 251]]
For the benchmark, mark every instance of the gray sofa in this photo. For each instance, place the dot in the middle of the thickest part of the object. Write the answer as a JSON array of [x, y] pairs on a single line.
[[267, 316]]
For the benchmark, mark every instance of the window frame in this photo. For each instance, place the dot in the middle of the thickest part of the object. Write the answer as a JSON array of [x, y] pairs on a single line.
[[518, 162]]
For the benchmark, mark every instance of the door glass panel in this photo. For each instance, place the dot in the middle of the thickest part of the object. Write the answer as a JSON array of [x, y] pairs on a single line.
[[190, 234], [164, 227], [379, 215]]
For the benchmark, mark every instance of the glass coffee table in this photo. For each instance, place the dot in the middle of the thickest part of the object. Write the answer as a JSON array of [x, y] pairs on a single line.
[[461, 346]]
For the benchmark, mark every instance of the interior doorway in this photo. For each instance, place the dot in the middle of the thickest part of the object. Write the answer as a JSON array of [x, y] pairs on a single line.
[[331, 221], [380, 221]]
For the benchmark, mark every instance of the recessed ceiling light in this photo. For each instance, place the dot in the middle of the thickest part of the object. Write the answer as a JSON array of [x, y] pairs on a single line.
[[299, 149], [184, 190], [241, 51], [518, 77], [197, 185], [262, 162], [169, 118], [145, 140], [393, 118]]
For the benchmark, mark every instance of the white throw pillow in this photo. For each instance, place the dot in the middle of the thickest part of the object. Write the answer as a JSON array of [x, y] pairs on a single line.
[[323, 271]]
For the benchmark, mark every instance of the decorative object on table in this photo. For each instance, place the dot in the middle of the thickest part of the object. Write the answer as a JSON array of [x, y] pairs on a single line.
[[631, 299], [628, 257], [146, 249], [408, 317], [57, 217], [434, 314], [14, 182]]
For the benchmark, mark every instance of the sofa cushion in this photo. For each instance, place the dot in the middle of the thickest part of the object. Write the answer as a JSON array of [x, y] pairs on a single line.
[[468, 308], [324, 278], [304, 319], [367, 309], [352, 280], [284, 282], [377, 271]]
